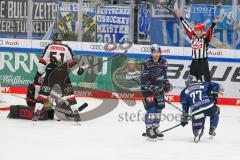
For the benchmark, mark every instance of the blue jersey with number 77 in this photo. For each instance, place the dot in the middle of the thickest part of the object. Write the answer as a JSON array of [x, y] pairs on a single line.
[[196, 96]]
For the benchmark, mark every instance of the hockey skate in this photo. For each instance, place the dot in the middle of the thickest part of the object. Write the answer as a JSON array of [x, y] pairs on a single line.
[[36, 115], [157, 132], [197, 135], [212, 132], [76, 116], [150, 134]]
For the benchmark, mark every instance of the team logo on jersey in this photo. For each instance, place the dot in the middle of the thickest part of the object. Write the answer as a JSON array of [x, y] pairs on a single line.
[[197, 46], [197, 43], [44, 44], [45, 89]]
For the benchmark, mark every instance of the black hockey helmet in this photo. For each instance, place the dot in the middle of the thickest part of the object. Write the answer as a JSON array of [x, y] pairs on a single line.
[[57, 37]]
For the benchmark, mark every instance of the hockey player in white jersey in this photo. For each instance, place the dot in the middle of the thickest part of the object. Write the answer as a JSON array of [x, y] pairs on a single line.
[[55, 62]]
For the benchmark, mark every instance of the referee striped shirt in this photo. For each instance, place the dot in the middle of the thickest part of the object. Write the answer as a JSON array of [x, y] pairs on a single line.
[[199, 44]]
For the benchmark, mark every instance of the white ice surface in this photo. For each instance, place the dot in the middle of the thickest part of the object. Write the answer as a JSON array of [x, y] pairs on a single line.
[[112, 138]]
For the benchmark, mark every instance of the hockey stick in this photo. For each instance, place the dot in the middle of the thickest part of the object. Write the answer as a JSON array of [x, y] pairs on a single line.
[[60, 101], [76, 64], [113, 57], [82, 107], [166, 6], [69, 112], [111, 47], [166, 130], [169, 9], [165, 99], [175, 107]]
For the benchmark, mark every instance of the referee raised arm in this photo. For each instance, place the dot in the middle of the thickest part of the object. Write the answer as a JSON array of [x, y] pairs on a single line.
[[199, 43]]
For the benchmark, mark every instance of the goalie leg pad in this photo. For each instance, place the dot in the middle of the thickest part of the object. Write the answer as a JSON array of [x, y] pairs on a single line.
[[25, 112]]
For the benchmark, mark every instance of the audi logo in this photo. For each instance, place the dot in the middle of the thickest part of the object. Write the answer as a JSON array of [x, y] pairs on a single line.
[[96, 47], [145, 49], [44, 44], [112, 46]]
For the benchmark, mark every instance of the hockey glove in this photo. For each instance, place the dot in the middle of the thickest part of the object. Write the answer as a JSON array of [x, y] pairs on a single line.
[[80, 71], [37, 78], [155, 89], [214, 97], [184, 119], [167, 87]]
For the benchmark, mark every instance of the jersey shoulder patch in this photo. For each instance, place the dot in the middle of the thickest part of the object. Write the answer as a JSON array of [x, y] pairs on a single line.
[[164, 61], [163, 58], [147, 60]]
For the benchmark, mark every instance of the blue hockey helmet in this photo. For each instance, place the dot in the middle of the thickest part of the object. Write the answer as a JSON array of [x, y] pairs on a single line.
[[190, 79], [155, 48], [57, 37]]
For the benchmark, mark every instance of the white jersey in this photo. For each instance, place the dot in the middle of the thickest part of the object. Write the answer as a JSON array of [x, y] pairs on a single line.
[[55, 53]]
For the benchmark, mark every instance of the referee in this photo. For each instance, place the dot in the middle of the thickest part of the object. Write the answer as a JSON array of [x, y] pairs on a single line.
[[199, 43]]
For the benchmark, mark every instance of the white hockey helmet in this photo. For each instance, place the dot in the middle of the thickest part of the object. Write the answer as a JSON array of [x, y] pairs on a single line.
[[155, 48]]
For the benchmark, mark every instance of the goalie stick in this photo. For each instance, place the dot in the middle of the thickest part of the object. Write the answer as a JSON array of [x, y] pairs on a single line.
[[69, 112], [61, 110]]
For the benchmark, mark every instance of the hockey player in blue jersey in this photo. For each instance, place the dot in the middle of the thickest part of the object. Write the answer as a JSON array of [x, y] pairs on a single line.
[[201, 98], [154, 84]]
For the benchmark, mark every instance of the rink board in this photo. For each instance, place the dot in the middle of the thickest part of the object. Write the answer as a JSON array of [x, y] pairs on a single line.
[[19, 57]]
